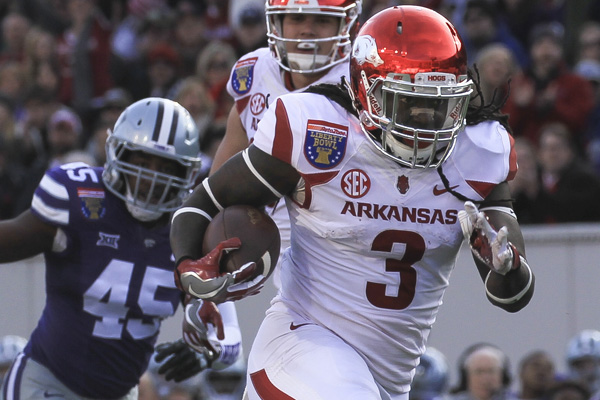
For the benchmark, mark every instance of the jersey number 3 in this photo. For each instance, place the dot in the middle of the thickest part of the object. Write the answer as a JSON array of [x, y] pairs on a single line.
[[415, 248]]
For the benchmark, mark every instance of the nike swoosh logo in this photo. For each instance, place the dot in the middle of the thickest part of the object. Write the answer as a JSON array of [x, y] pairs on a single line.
[[437, 192], [294, 327]]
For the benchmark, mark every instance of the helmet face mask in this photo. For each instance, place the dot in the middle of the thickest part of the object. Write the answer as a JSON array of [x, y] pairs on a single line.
[[411, 104], [309, 58], [152, 128]]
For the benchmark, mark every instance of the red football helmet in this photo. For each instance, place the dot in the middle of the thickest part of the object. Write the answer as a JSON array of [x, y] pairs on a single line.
[[408, 72], [304, 62]]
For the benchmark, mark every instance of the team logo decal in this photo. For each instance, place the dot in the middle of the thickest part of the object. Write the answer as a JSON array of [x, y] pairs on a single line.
[[92, 202], [402, 184], [258, 103], [108, 240], [243, 73], [325, 143], [355, 183], [365, 50]]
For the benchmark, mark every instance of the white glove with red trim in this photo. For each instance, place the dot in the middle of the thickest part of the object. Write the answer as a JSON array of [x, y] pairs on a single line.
[[488, 245]]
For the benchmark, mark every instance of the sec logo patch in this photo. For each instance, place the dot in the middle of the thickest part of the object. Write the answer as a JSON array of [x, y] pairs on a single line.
[[258, 102], [355, 183]]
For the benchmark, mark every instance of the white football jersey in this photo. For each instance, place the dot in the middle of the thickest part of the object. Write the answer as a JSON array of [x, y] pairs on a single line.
[[373, 243], [256, 80]]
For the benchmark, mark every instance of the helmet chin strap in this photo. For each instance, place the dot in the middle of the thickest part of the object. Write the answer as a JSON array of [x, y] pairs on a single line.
[[140, 213]]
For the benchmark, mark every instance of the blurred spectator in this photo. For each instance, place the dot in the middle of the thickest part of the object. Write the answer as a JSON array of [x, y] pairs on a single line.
[[216, 21], [193, 95], [569, 188], [163, 66], [496, 65], [40, 63], [526, 184], [64, 135], [431, 377], [125, 40], [84, 55], [590, 70], [548, 91], [12, 80], [112, 103], [213, 66], [588, 43], [536, 376], [189, 34], [518, 15], [247, 20], [147, 23], [482, 26], [583, 359], [569, 390], [484, 374], [14, 29]]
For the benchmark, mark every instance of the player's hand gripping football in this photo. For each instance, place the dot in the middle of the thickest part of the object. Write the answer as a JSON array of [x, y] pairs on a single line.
[[202, 279], [488, 245], [198, 315]]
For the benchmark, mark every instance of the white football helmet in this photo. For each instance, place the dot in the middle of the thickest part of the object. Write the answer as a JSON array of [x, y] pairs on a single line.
[[346, 10], [159, 127], [408, 72], [583, 358]]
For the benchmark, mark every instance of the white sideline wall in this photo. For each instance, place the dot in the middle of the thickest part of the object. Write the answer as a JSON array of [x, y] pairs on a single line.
[[565, 259]]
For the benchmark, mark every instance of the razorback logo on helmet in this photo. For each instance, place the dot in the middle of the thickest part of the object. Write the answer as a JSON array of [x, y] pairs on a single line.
[[325, 143], [365, 50], [243, 74], [355, 183]]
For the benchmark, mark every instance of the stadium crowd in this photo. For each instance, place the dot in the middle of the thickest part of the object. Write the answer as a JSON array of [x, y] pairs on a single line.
[[69, 67]]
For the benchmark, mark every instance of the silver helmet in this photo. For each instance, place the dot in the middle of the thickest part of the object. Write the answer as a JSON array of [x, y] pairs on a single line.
[[158, 127], [583, 358]]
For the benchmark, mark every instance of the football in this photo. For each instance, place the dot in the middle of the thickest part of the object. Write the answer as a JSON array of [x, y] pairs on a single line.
[[257, 232]]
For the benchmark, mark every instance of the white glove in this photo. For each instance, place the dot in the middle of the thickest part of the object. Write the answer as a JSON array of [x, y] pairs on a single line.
[[198, 314], [489, 246]]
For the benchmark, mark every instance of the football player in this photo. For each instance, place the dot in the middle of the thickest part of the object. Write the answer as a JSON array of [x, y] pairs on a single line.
[[383, 182], [583, 359], [104, 234], [309, 43]]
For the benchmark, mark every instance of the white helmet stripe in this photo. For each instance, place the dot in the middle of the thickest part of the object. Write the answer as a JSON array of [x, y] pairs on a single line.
[[166, 128]]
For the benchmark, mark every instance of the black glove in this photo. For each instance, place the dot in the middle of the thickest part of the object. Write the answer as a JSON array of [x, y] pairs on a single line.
[[181, 361]]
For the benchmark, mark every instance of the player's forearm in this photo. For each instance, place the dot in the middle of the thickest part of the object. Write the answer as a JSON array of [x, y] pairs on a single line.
[[513, 291], [189, 223]]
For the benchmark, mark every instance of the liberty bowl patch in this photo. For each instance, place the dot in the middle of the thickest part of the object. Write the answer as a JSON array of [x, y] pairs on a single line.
[[242, 76], [325, 143], [92, 202]]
